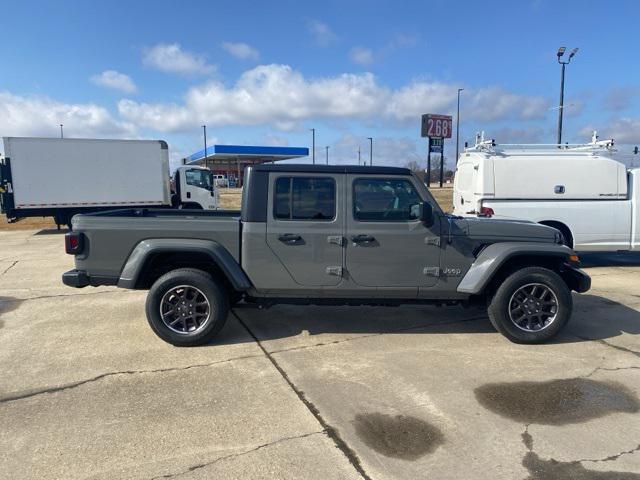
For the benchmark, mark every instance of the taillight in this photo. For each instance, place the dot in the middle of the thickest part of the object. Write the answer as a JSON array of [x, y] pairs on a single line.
[[73, 243], [486, 212]]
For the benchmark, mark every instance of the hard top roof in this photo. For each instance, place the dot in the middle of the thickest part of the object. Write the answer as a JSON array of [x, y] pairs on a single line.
[[302, 168]]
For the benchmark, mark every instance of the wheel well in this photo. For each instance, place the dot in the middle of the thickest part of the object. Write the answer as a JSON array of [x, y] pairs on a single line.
[[564, 229], [192, 206], [519, 262], [163, 262]]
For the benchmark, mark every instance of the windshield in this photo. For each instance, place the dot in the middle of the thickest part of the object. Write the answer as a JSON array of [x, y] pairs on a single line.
[[199, 178]]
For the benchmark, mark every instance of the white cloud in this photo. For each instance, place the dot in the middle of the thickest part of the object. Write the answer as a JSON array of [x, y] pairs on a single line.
[[266, 94], [410, 102], [241, 50], [41, 116], [361, 56], [115, 80], [322, 33], [281, 96], [531, 134], [622, 130], [172, 58], [386, 151], [494, 103]]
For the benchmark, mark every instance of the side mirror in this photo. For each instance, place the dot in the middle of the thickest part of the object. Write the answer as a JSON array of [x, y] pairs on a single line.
[[423, 212], [426, 213]]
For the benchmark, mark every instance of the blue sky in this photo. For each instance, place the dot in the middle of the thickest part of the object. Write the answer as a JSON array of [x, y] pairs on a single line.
[[266, 72]]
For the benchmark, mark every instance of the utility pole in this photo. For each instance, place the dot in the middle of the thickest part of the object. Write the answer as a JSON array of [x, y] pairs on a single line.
[[358, 155], [370, 150], [204, 128], [560, 53], [458, 127], [313, 145], [327, 149], [61, 132]]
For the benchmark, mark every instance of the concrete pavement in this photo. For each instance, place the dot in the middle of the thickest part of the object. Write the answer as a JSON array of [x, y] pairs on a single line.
[[87, 390]]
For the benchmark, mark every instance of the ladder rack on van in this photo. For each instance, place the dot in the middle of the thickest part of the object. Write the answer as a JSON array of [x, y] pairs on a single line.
[[595, 145]]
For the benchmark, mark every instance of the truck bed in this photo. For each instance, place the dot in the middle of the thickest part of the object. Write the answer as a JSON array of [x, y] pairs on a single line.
[[116, 233]]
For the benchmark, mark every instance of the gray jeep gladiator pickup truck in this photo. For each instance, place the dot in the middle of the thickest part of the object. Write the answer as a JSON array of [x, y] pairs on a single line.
[[332, 235]]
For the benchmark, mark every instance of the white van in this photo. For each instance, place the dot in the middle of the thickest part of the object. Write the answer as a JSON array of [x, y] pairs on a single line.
[[580, 190]]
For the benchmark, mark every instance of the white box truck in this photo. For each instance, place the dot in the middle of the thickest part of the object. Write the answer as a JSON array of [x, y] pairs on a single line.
[[63, 177], [579, 189]]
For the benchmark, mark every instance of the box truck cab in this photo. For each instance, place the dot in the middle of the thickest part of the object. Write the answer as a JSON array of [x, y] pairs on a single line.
[[195, 188], [580, 190]]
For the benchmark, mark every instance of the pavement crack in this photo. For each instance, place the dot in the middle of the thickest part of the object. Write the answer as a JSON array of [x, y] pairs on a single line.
[[235, 455], [610, 369], [610, 458], [608, 344], [41, 297], [68, 386], [13, 264], [527, 439], [331, 431]]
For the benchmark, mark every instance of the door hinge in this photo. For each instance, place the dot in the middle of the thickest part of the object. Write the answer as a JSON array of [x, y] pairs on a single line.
[[431, 271], [335, 239], [432, 241], [337, 271]]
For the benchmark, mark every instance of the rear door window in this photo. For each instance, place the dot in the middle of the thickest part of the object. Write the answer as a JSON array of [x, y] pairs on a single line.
[[305, 198]]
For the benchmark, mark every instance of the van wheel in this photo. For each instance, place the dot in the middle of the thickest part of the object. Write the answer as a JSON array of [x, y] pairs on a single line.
[[187, 307], [531, 306]]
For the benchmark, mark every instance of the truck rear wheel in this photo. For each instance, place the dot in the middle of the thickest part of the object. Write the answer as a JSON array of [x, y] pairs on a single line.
[[187, 307], [531, 306]]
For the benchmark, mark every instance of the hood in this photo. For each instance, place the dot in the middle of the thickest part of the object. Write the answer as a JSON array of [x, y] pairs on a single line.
[[499, 229]]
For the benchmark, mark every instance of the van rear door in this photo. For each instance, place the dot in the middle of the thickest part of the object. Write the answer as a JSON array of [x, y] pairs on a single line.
[[464, 186]]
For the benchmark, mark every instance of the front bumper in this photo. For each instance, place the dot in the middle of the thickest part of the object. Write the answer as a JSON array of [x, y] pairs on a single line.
[[578, 280]]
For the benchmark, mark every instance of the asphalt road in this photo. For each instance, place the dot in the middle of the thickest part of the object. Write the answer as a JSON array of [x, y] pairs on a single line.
[[87, 390]]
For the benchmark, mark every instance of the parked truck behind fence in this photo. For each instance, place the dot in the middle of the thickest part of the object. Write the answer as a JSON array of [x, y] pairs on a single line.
[[336, 235]]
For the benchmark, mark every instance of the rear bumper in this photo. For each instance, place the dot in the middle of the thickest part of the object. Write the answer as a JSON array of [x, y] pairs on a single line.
[[75, 278], [579, 281], [80, 279]]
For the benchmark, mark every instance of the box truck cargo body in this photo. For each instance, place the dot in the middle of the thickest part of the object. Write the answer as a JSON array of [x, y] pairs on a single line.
[[583, 192], [62, 177]]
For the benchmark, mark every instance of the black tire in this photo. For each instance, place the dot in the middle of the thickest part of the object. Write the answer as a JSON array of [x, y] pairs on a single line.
[[187, 332], [522, 282]]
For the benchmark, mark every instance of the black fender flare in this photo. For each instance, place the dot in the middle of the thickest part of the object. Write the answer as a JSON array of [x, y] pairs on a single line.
[[144, 250], [494, 256]]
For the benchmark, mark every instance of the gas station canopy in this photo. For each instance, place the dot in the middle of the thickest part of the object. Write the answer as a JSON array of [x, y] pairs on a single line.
[[231, 160], [255, 154]]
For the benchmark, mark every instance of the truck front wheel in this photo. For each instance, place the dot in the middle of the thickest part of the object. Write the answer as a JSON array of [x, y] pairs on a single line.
[[531, 306], [187, 307]]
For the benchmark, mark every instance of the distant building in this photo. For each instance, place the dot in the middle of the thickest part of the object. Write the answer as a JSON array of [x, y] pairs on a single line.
[[231, 160]]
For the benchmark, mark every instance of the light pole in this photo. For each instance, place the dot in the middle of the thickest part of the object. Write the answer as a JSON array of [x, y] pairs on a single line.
[[358, 155], [370, 150], [61, 132], [313, 145], [204, 129], [327, 150], [560, 53], [458, 126]]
